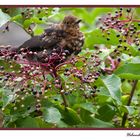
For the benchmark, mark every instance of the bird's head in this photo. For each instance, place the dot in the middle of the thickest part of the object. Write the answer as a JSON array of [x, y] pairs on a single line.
[[71, 22]]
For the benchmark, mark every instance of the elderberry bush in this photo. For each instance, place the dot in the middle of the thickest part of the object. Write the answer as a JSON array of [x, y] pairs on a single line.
[[98, 88]]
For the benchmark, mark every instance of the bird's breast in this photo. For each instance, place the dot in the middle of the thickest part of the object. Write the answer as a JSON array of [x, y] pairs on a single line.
[[74, 43]]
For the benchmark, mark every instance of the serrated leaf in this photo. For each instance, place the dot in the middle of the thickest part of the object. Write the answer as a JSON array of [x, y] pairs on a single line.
[[113, 84]]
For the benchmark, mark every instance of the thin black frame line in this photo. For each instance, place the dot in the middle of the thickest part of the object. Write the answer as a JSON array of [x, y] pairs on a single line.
[[75, 6]]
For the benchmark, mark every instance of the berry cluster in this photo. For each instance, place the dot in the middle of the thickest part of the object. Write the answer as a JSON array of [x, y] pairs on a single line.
[[127, 30], [124, 22], [25, 78]]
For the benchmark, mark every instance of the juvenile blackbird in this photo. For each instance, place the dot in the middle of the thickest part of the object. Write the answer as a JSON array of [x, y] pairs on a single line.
[[65, 37]]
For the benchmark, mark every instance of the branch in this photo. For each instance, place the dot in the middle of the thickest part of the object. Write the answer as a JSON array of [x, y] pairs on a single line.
[[129, 102]]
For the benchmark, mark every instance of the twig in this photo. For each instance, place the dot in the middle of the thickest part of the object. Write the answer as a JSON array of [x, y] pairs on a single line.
[[61, 88], [129, 102], [132, 20]]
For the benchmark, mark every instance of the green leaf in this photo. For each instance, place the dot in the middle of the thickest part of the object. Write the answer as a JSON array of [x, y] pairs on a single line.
[[102, 99], [6, 96], [129, 71], [74, 99], [113, 85], [126, 87], [131, 48], [135, 59], [36, 20], [38, 30], [28, 122], [104, 91], [106, 113], [127, 109], [91, 121], [96, 37], [49, 77], [124, 99], [62, 124], [27, 23], [7, 66], [6, 99], [4, 18], [42, 123], [96, 123], [100, 124], [89, 107], [13, 11], [71, 117], [18, 19], [130, 109], [99, 11], [137, 10], [79, 64], [51, 115]]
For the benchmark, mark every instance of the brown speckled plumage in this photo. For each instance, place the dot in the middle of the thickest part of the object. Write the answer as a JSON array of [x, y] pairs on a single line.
[[66, 35]]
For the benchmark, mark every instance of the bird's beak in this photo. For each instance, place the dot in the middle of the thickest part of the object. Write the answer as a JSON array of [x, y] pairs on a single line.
[[78, 21]]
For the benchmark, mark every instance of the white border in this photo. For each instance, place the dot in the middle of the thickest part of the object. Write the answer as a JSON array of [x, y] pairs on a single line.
[[70, 2], [69, 135], [65, 134]]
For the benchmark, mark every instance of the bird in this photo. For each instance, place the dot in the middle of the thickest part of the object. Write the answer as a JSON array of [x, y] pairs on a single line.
[[64, 37]]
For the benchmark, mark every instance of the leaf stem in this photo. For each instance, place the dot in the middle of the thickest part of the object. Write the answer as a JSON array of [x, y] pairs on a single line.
[[129, 102]]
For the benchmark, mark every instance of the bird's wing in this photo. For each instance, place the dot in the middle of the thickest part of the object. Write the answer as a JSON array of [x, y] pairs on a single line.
[[47, 40], [32, 44]]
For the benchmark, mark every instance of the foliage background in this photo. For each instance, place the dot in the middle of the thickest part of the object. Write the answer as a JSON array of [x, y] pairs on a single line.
[[105, 107]]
